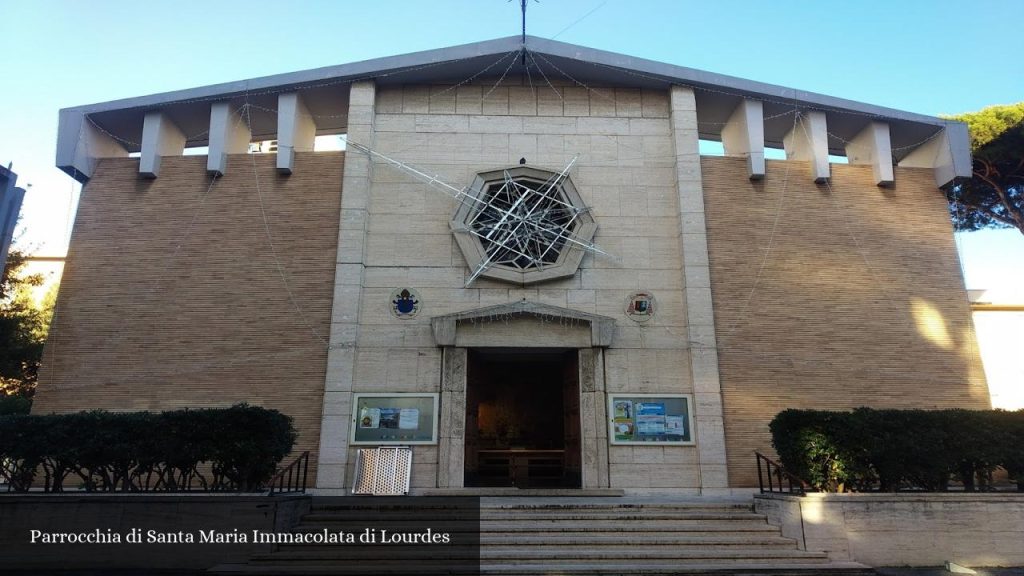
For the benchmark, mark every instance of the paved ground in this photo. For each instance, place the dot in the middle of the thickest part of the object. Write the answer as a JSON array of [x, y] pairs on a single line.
[[939, 571]]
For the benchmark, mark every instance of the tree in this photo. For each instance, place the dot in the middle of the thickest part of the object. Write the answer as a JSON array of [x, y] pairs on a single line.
[[994, 196], [23, 327]]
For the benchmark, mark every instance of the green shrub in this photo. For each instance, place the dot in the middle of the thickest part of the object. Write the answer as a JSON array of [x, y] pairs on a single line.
[[1010, 440], [14, 404], [899, 449], [20, 456], [805, 446], [252, 442], [235, 449]]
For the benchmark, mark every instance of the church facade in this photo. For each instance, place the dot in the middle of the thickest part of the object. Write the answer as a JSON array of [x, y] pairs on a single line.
[[521, 265]]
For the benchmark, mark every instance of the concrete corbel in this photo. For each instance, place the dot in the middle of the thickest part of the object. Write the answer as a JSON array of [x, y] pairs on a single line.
[[228, 135], [296, 131], [11, 199], [81, 145], [160, 137], [808, 140], [948, 154], [743, 135], [872, 147]]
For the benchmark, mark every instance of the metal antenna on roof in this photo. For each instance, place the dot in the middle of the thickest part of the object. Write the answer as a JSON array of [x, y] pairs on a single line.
[[522, 7]]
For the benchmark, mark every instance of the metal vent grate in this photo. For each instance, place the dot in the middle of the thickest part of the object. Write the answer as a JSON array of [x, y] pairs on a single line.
[[383, 471]]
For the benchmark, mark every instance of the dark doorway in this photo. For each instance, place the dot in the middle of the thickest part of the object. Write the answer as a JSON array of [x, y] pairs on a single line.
[[523, 418]]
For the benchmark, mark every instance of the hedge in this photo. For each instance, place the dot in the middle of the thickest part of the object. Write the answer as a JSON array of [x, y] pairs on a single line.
[[891, 450], [13, 404], [233, 449]]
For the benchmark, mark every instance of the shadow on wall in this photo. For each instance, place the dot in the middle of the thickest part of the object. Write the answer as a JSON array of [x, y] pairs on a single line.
[[933, 327]]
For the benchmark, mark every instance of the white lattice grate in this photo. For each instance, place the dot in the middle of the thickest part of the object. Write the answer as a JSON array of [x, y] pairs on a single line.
[[383, 471]]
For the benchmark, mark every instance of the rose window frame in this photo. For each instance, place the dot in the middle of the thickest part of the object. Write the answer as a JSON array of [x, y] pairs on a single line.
[[510, 220]]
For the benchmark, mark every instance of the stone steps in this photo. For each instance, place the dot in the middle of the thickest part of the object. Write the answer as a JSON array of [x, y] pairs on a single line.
[[562, 541], [537, 516], [562, 537], [614, 540], [549, 554], [736, 569], [602, 568], [573, 526]]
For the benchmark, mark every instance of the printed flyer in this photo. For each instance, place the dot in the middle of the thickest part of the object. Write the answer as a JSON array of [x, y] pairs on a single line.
[[650, 418], [369, 418], [623, 429], [409, 419]]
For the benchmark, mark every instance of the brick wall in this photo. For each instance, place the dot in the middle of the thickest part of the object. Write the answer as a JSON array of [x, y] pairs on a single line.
[[860, 301], [171, 296]]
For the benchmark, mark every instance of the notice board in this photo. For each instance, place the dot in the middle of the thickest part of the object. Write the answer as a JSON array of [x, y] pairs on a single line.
[[662, 419], [394, 418]]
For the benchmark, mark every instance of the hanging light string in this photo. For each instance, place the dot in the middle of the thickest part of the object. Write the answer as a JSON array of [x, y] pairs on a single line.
[[533, 56], [516, 219], [792, 104], [273, 249], [244, 113], [580, 19], [247, 94], [736, 93], [778, 212], [180, 240], [743, 314], [512, 57], [247, 111]]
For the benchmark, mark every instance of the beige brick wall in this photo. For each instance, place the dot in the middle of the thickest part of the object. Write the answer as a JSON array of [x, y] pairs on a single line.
[[860, 301], [159, 311]]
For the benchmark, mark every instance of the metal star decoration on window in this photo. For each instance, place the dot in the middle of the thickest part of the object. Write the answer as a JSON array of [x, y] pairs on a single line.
[[524, 225], [521, 224]]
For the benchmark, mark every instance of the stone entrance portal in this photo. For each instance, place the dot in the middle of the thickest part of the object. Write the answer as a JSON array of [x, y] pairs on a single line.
[[488, 353], [522, 418]]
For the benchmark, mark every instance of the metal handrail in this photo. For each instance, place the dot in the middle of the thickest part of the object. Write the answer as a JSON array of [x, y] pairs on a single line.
[[774, 470], [292, 478]]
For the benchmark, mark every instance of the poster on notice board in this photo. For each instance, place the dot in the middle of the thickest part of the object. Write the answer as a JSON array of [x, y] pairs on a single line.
[[664, 419]]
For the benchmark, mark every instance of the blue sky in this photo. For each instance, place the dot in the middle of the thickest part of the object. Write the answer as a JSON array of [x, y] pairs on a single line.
[[931, 57]]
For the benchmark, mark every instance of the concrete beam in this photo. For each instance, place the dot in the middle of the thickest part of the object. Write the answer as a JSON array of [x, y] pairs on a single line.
[[872, 147], [296, 130], [10, 205], [82, 145], [808, 140], [743, 135], [229, 134], [160, 137], [948, 153]]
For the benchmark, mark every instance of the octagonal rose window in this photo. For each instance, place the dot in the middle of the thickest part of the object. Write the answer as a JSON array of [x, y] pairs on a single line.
[[523, 225]]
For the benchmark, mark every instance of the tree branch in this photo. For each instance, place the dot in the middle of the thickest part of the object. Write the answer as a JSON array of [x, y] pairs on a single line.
[[990, 214], [1018, 218]]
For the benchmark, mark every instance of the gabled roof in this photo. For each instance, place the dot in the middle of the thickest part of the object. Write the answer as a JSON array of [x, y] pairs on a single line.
[[325, 89]]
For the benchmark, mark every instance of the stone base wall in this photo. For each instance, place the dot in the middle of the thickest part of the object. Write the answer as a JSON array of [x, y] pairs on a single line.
[[903, 529]]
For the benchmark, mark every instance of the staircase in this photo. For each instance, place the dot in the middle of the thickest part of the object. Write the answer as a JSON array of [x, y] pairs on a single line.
[[563, 536]]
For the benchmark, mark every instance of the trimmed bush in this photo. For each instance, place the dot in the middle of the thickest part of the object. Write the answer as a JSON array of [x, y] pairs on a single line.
[[20, 455], [893, 450], [13, 404], [227, 449]]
